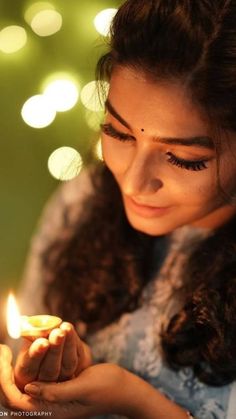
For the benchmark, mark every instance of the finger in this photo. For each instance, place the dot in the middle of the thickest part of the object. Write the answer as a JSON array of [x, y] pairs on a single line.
[[80, 388], [54, 392], [5, 360], [5, 354], [29, 360], [93, 387], [13, 398], [69, 356], [16, 400], [51, 364]]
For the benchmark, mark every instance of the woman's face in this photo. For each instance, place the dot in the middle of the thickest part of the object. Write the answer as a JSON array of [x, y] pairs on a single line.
[[160, 150]]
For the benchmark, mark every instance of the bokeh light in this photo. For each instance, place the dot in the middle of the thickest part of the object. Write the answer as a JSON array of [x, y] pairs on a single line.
[[37, 112], [46, 22], [93, 95], [12, 39], [65, 163], [63, 94], [94, 119], [102, 21], [35, 8]]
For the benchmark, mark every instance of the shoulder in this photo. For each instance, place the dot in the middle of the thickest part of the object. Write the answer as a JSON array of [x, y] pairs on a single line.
[[56, 224], [63, 209], [72, 192]]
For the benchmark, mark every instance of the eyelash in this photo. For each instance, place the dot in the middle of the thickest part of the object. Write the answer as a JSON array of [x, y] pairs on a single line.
[[111, 132], [195, 165]]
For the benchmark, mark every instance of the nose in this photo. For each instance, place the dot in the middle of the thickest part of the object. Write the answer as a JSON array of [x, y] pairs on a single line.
[[141, 177]]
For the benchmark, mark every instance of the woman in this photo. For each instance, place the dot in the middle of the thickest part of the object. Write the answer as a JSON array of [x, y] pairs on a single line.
[[139, 254]]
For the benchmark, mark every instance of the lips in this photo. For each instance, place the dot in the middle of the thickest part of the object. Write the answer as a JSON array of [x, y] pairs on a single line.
[[145, 210], [144, 204]]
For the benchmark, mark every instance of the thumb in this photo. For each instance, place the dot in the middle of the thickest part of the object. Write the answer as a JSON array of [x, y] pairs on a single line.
[[5, 354], [9, 392], [54, 392]]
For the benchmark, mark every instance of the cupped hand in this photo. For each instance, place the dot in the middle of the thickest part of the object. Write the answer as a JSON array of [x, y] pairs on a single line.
[[99, 389], [93, 394], [97, 385], [60, 357]]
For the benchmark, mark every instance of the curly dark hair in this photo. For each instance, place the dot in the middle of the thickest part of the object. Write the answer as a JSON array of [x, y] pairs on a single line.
[[104, 265], [100, 272]]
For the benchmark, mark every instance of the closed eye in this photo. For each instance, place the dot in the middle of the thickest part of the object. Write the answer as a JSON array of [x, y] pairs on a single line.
[[109, 130], [194, 165]]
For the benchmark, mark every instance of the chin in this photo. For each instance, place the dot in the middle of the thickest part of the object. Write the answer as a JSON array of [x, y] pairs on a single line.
[[151, 228]]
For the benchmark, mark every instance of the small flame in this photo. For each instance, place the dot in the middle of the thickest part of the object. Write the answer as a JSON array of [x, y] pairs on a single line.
[[13, 318]]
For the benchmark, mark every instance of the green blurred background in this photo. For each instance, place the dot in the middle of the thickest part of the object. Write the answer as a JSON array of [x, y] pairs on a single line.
[[24, 151]]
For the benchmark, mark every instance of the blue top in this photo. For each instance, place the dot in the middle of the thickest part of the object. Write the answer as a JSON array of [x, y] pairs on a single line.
[[133, 341]]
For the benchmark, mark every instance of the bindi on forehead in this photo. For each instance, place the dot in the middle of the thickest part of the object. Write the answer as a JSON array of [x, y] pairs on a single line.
[[197, 141]]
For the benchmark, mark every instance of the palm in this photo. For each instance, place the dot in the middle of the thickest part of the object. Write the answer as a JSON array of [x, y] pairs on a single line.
[[91, 393]]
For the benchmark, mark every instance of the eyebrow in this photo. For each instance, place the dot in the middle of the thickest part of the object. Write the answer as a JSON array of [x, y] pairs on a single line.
[[199, 141]]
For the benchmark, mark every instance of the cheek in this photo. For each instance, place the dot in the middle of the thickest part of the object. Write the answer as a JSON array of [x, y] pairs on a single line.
[[117, 156], [190, 187], [208, 188], [227, 176]]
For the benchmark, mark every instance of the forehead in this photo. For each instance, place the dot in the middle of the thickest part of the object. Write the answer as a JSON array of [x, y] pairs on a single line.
[[155, 105]]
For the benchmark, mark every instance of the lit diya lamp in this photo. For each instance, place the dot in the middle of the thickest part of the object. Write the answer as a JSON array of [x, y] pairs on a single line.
[[30, 327]]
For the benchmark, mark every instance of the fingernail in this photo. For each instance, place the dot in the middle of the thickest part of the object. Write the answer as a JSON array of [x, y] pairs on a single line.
[[66, 326], [59, 339], [43, 345], [32, 389]]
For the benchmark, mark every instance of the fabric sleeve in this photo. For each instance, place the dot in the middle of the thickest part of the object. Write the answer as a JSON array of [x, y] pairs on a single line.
[[61, 212], [231, 414]]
